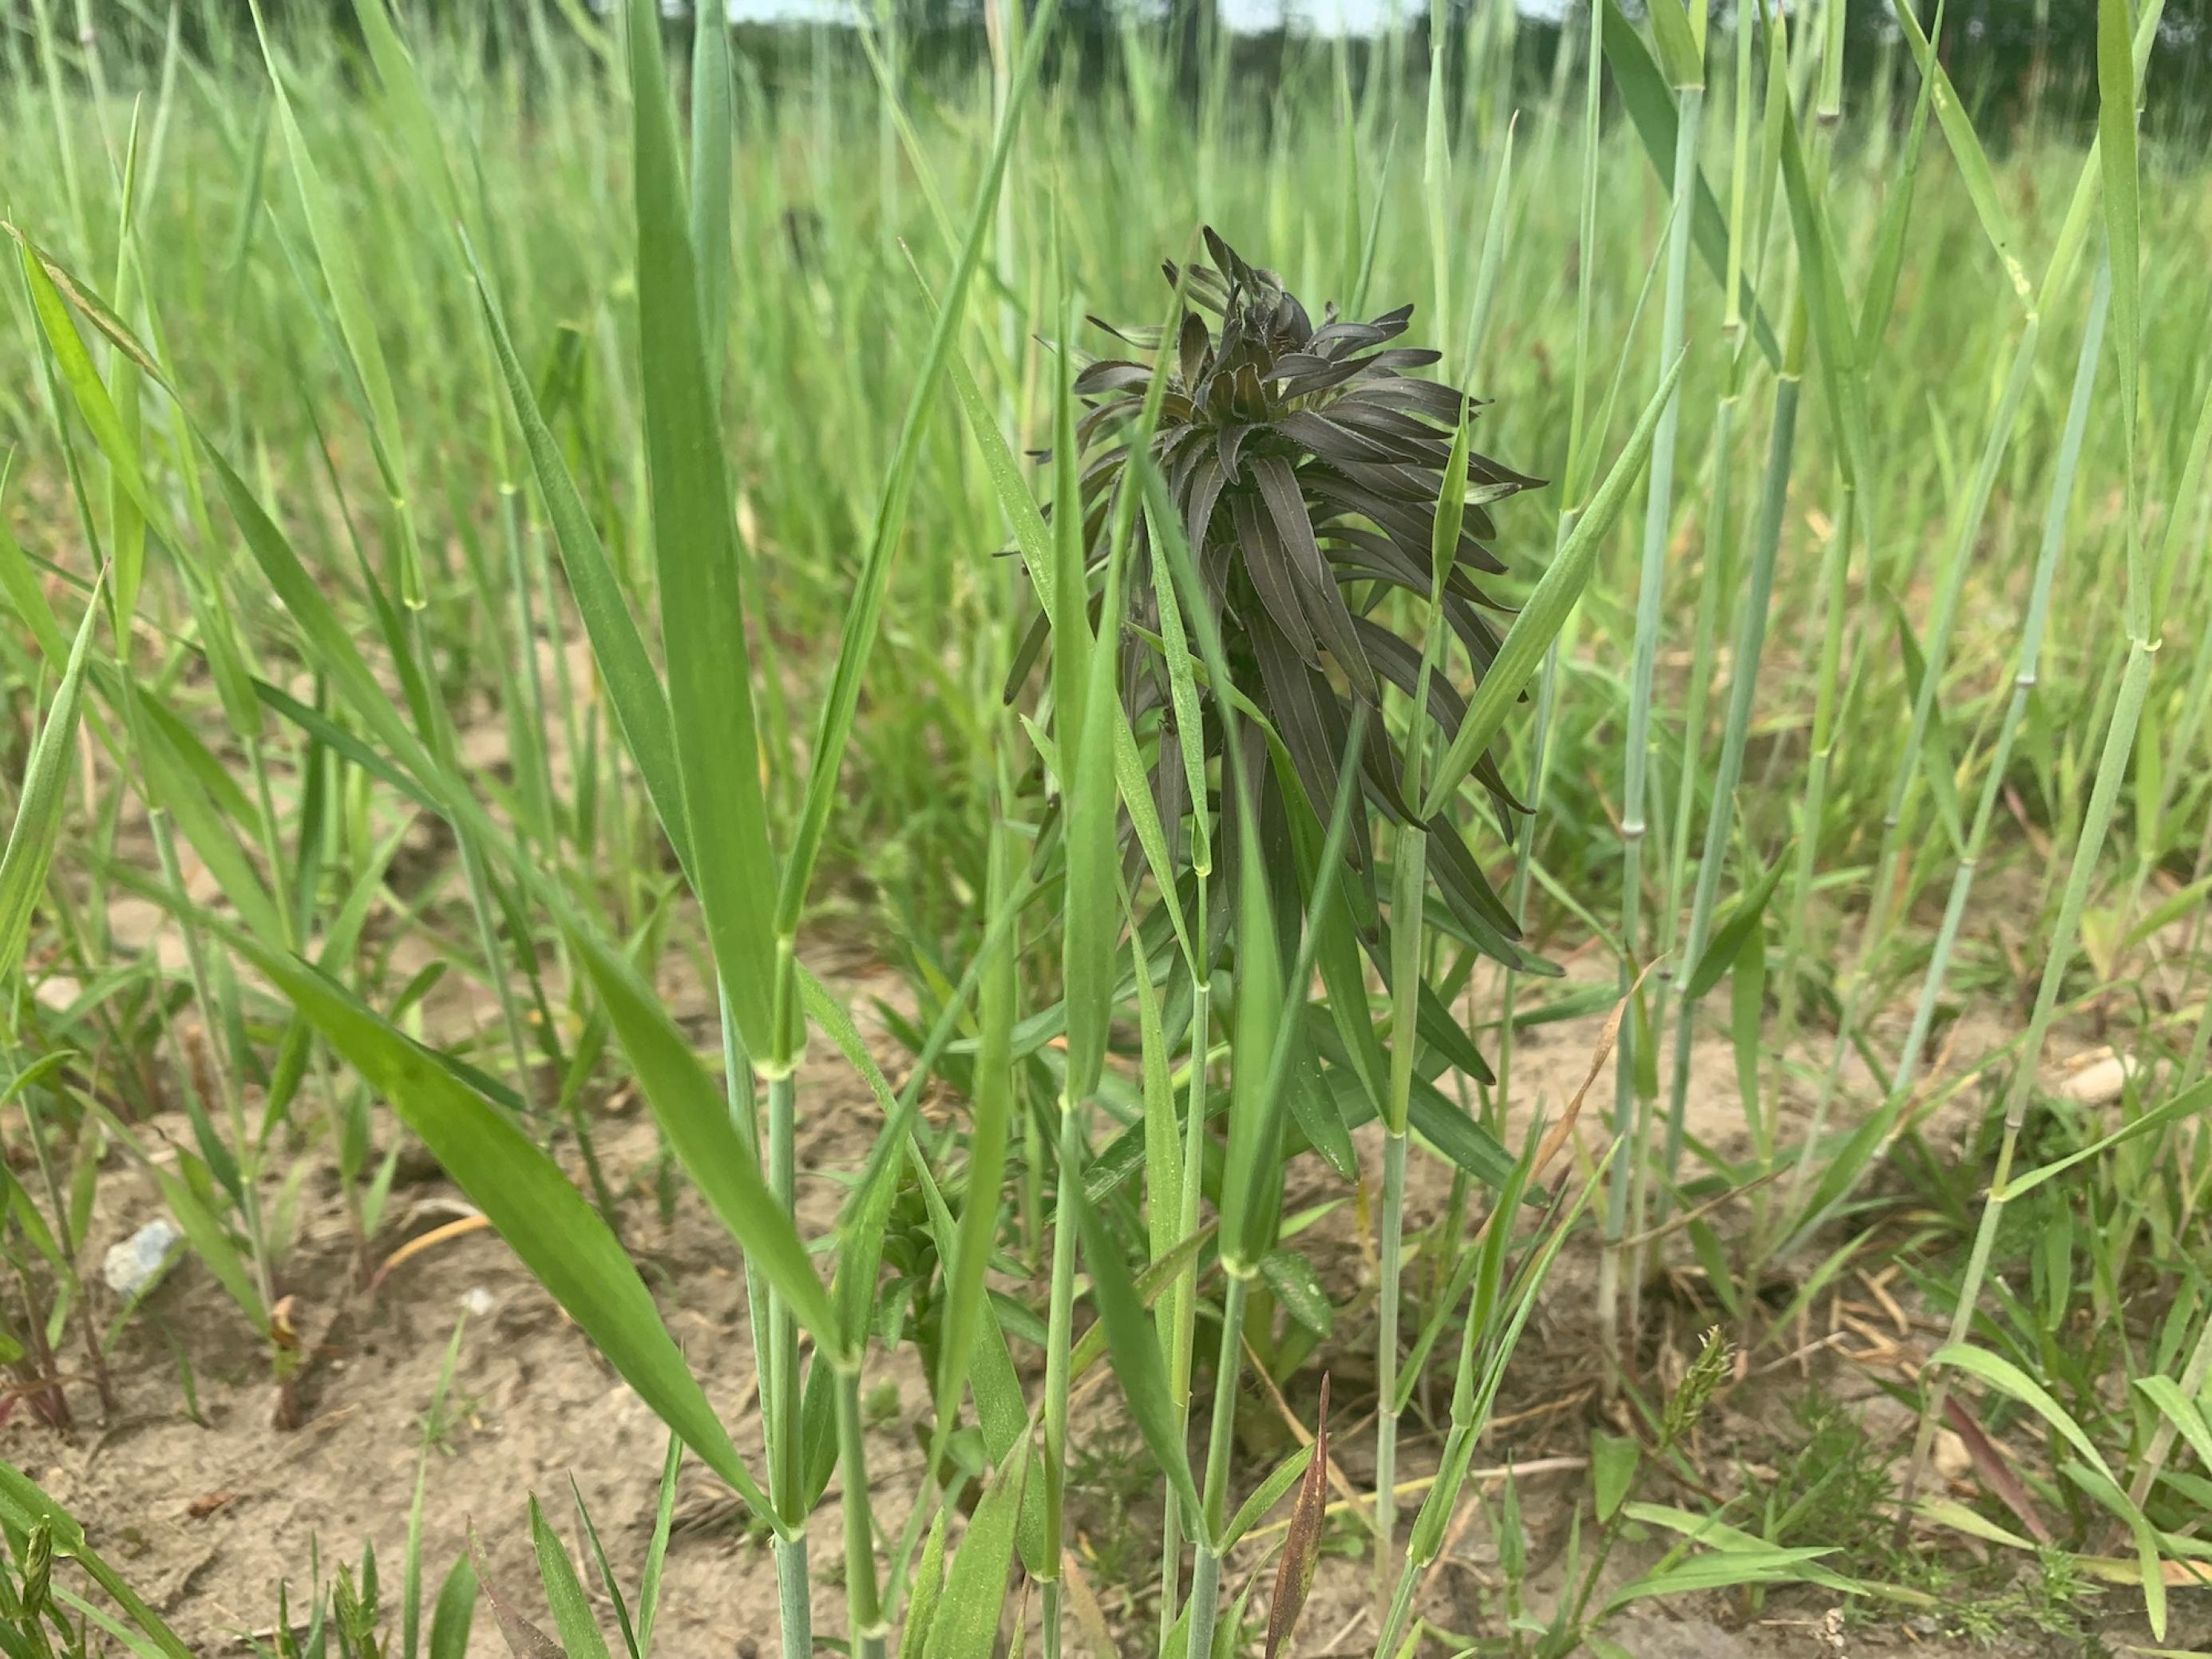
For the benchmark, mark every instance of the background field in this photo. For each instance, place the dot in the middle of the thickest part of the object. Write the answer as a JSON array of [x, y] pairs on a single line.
[[1935, 888]]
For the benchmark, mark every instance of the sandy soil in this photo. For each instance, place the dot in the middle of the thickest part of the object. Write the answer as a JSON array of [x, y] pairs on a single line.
[[207, 1517]]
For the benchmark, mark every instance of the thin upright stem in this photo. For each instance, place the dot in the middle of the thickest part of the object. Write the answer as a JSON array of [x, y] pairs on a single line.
[[1059, 1341], [777, 1341], [1206, 1569], [1386, 1351], [1630, 1173], [1185, 1292], [869, 1632]]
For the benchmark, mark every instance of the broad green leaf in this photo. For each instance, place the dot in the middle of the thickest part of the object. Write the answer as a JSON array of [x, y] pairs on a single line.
[[453, 1615], [1297, 1288], [1614, 1460]]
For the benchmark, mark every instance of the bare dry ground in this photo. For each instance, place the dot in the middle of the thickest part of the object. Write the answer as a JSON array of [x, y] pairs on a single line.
[[209, 1513]]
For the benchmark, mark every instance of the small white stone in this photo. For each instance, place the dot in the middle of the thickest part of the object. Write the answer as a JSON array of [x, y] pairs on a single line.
[[130, 1266], [2100, 1081]]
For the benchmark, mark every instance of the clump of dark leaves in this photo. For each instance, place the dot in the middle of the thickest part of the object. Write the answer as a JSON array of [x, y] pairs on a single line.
[[1304, 462]]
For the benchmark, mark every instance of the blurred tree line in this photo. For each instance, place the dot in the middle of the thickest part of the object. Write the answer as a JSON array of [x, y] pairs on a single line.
[[2007, 58]]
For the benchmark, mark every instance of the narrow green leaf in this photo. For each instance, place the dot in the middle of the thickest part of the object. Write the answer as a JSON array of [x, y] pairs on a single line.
[[1729, 939], [1678, 43], [693, 1112], [23, 1506], [634, 688], [32, 838], [1135, 1351], [2188, 1103], [357, 320], [857, 641], [1974, 169], [2006, 1377], [454, 1613], [710, 695], [1547, 607], [544, 1220], [2115, 138], [967, 1622], [1651, 107], [564, 1594]]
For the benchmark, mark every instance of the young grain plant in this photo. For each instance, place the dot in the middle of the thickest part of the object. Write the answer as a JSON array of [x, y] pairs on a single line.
[[1214, 888]]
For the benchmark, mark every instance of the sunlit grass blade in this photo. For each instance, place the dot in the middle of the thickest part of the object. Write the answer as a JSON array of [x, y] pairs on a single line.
[[710, 695]]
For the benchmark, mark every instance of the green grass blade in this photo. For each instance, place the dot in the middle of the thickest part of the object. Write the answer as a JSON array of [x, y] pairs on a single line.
[[1134, 1348], [544, 1220], [1547, 607], [857, 641], [356, 319], [967, 1282], [656, 1551], [564, 1594], [694, 1114], [1650, 106], [2115, 138], [967, 1622], [710, 694], [23, 1506], [453, 1614], [37, 828], [711, 153], [1974, 169], [634, 688]]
